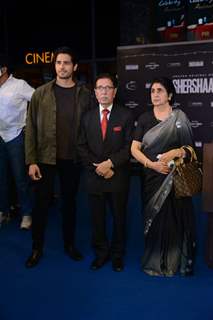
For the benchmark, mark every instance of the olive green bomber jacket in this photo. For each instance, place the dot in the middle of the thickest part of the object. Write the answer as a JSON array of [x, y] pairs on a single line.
[[40, 134]]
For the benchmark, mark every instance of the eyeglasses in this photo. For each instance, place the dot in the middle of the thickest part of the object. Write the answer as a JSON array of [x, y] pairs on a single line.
[[101, 88]]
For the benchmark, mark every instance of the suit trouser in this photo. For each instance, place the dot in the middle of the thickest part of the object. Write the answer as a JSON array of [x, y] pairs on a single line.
[[69, 174], [98, 205]]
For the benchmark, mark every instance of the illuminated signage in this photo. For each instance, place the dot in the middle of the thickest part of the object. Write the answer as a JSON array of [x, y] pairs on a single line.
[[39, 58]]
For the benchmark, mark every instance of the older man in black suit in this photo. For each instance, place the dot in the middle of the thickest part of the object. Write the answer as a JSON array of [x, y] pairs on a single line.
[[104, 147]]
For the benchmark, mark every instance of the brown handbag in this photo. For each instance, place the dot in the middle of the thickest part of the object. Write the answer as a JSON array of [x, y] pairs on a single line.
[[187, 177]]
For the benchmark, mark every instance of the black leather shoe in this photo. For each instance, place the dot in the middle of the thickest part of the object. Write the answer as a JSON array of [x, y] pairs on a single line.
[[73, 253], [117, 264], [34, 259], [97, 263]]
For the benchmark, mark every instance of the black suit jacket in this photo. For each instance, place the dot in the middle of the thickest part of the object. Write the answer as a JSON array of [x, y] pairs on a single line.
[[116, 146]]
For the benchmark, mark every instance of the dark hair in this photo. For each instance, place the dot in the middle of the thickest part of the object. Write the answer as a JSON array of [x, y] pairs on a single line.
[[107, 76], [5, 62], [65, 50], [168, 85]]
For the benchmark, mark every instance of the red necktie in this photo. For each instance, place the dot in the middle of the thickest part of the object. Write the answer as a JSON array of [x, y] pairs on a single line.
[[104, 122]]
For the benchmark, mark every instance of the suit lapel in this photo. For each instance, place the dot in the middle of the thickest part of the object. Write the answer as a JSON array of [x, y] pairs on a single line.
[[97, 126]]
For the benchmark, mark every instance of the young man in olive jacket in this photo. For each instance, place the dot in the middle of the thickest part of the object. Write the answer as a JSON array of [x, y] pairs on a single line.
[[52, 128]]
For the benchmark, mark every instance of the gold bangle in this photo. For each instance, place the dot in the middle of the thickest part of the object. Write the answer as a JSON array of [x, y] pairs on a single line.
[[145, 164]]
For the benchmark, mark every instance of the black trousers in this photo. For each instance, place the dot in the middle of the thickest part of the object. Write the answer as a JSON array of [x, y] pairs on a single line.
[[98, 205], [69, 175]]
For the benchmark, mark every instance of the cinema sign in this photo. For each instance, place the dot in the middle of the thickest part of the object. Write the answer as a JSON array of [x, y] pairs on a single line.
[[44, 57]]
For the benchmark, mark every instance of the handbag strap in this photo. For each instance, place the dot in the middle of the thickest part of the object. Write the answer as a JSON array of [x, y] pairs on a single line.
[[180, 161], [192, 152]]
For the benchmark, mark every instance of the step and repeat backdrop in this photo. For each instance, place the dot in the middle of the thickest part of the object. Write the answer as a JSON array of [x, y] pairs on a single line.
[[188, 64]]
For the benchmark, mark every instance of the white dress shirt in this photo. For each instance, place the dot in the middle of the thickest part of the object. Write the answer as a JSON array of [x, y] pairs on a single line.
[[101, 108], [14, 97]]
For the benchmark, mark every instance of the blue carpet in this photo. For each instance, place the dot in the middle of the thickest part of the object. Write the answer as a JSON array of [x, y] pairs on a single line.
[[59, 288]]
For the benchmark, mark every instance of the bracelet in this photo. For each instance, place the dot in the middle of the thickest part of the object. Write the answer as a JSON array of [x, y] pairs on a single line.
[[145, 164]]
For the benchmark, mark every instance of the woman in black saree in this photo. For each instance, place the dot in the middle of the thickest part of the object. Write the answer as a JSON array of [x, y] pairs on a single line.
[[169, 225]]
